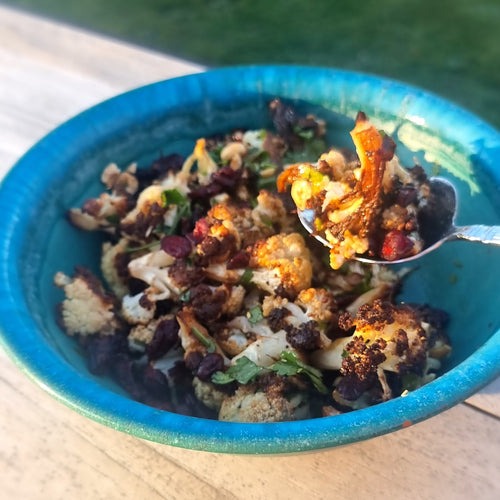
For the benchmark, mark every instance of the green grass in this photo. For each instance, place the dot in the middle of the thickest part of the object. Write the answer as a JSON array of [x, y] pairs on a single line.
[[451, 47]]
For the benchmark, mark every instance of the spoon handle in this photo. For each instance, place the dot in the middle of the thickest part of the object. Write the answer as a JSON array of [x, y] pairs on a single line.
[[483, 234]]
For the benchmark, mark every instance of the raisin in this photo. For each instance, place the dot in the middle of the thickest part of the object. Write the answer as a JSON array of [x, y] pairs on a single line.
[[177, 246], [193, 360], [155, 382], [227, 177], [125, 373], [101, 352], [166, 336], [239, 260], [211, 363]]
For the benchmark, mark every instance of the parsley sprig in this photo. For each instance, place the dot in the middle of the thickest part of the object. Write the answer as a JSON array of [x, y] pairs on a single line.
[[245, 371]]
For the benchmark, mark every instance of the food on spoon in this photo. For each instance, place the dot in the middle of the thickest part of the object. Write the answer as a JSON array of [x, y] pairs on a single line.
[[214, 304], [363, 205]]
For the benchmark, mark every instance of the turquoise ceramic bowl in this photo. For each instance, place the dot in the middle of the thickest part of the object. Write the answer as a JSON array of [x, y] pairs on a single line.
[[63, 169]]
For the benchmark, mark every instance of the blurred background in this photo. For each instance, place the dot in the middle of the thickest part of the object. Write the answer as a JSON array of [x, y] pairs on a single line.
[[450, 47]]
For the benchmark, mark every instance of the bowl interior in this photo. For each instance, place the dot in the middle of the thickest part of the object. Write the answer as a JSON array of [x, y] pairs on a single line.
[[461, 278]]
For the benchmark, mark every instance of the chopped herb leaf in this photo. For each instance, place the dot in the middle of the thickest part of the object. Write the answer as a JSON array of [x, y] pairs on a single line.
[[255, 315], [113, 219], [290, 364], [243, 371], [182, 211], [311, 152], [174, 197], [246, 277], [208, 343], [185, 296], [306, 134], [410, 381], [147, 246], [266, 221]]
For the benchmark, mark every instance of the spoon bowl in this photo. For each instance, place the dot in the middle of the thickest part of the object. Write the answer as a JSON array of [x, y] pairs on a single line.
[[436, 225]]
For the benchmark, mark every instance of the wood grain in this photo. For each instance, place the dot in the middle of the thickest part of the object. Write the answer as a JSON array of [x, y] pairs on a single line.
[[49, 72]]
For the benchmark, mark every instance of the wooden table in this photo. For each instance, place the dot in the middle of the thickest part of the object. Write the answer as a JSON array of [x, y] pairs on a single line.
[[50, 72]]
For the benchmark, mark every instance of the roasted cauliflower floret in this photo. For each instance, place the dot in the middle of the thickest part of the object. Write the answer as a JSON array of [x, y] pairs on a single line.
[[195, 338], [386, 338], [266, 350], [114, 261], [245, 225], [205, 165], [208, 394], [87, 308], [148, 213], [239, 333], [104, 212], [281, 263], [153, 269], [318, 304], [143, 335], [270, 214], [138, 309], [305, 321], [248, 405]]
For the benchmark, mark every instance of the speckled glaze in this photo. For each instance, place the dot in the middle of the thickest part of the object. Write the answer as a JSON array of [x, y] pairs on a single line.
[[63, 169]]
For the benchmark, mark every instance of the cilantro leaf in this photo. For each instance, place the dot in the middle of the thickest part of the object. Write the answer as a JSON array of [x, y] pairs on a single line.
[[173, 197], [246, 277], [255, 315], [243, 371], [205, 341], [290, 364]]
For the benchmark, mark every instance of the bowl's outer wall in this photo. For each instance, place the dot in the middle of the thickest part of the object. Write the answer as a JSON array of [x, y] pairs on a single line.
[[64, 169]]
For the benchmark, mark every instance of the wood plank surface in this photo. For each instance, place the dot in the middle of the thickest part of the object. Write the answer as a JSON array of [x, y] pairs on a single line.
[[49, 72]]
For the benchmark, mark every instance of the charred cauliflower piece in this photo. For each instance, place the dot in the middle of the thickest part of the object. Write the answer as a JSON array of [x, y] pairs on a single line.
[[386, 338], [87, 309], [114, 261], [103, 212], [153, 268], [195, 338], [149, 212], [281, 264], [208, 394], [250, 405]]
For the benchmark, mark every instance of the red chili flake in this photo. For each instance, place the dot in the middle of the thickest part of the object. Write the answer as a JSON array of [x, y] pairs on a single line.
[[396, 245], [406, 423], [177, 246]]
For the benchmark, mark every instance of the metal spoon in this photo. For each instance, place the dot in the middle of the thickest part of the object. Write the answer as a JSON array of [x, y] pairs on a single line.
[[436, 224]]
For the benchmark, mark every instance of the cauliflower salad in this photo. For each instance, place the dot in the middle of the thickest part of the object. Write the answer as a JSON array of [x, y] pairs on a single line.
[[212, 301]]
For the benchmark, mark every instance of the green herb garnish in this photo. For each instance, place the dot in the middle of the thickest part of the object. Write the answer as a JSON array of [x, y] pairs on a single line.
[[255, 315], [246, 277], [243, 371], [173, 197], [146, 246], [208, 343], [290, 364]]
